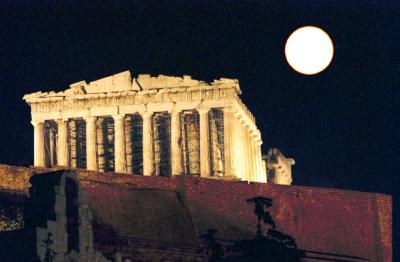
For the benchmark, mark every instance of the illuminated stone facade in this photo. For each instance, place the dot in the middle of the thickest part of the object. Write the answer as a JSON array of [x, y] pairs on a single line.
[[151, 126], [279, 167]]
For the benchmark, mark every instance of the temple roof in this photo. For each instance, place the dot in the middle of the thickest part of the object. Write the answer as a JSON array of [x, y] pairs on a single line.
[[123, 82]]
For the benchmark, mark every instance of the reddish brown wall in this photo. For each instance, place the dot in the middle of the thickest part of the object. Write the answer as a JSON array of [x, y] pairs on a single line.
[[14, 178], [328, 220]]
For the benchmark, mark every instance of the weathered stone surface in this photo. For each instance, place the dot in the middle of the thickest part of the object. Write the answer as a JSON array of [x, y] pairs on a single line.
[[140, 209], [278, 167], [57, 223], [14, 178]]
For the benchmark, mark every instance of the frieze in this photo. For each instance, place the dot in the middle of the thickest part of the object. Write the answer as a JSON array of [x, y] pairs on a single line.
[[158, 98], [196, 95], [131, 99], [208, 94], [67, 105]]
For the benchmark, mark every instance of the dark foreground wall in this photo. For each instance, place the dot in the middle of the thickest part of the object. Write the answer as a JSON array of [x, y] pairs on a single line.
[[148, 211]]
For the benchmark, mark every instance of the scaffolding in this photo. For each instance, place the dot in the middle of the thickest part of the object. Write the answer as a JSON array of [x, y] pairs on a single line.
[[162, 144], [50, 142], [136, 140], [77, 142], [108, 143], [216, 138], [128, 143], [72, 143], [190, 142]]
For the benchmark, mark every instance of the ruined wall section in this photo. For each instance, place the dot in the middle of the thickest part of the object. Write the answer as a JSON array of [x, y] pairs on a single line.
[[14, 178], [11, 207]]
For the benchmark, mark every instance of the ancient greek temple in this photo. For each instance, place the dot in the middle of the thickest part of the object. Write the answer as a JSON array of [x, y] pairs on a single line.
[[151, 126]]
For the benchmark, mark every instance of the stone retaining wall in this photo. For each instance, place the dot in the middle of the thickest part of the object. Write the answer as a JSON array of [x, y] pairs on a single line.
[[333, 221]]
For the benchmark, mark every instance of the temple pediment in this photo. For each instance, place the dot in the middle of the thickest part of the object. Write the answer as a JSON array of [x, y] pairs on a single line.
[[124, 83], [148, 82], [115, 83]]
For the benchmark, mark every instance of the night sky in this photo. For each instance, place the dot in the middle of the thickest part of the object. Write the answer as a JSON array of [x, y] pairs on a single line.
[[338, 125]]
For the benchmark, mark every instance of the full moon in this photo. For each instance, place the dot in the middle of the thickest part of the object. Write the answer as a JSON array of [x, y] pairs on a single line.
[[309, 50]]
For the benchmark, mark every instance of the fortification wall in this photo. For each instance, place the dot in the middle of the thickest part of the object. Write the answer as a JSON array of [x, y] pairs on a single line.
[[327, 220]]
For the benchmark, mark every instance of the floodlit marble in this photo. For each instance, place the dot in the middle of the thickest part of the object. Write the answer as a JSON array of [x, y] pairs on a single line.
[[119, 95], [279, 167]]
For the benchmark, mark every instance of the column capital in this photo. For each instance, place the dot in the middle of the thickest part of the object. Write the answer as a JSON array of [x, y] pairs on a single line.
[[228, 109], [90, 118], [61, 120], [62, 146], [236, 109], [175, 112], [37, 122], [100, 120], [146, 114], [203, 110], [118, 117]]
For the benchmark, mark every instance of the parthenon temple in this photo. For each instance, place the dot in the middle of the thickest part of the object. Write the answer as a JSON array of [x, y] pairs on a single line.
[[151, 126]]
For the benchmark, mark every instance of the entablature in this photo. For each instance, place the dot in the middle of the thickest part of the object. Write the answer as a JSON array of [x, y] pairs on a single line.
[[122, 94], [123, 84]]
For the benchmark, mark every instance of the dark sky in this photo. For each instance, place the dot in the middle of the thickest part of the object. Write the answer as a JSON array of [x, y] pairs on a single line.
[[338, 125]]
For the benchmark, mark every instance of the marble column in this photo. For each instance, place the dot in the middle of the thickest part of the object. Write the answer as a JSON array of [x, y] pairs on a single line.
[[175, 146], [255, 162], [228, 123], [52, 146], [252, 157], [243, 130], [91, 163], [120, 160], [147, 144], [237, 148], [38, 139], [100, 144], [62, 143], [250, 166], [204, 143]]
